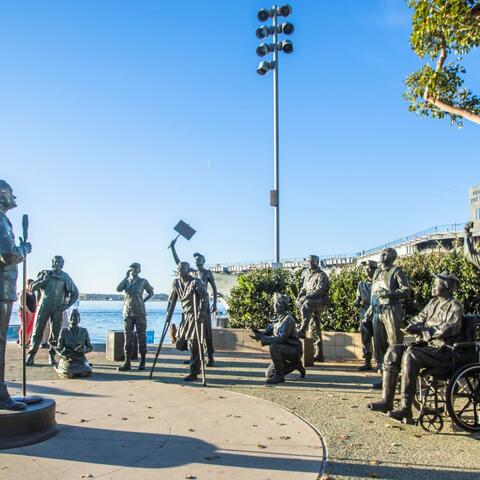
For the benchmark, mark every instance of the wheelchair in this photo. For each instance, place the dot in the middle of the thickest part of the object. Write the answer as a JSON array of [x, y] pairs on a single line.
[[455, 392]]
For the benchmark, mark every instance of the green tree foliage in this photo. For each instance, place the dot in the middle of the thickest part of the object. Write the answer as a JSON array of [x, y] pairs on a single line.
[[250, 302], [443, 29]]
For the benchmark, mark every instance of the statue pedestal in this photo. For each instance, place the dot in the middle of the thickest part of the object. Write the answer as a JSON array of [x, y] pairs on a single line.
[[33, 425]]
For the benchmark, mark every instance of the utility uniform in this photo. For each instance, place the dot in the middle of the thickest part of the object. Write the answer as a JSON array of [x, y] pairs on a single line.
[[364, 291]]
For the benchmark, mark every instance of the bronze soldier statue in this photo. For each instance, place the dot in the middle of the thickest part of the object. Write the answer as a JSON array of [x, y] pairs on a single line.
[[207, 277], [57, 294], [193, 296], [389, 286], [135, 314], [362, 301], [73, 344], [10, 256], [437, 326], [281, 337], [312, 301], [473, 256]]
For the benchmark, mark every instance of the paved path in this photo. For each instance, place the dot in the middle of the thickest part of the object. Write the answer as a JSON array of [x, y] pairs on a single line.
[[139, 429]]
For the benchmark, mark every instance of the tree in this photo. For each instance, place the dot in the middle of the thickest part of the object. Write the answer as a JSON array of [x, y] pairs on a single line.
[[442, 29]]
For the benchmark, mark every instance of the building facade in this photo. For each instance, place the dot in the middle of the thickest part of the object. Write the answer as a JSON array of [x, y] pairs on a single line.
[[475, 206]]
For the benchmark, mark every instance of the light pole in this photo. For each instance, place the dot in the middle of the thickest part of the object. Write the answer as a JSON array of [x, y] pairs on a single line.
[[263, 32]]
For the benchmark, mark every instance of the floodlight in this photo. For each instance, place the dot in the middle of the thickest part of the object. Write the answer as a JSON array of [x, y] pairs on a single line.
[[264, 49], [287, 28], [284, 11], [262, 32], [286, 46], [263, 15], [264, 67]]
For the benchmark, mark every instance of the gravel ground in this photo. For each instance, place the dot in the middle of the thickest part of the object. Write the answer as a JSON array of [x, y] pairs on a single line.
[[333, 397]]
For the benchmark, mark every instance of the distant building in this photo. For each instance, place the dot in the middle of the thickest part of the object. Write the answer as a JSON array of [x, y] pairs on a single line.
[[475, 206]]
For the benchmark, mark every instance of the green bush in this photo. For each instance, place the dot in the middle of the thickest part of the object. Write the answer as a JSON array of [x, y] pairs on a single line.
[[250, 300]]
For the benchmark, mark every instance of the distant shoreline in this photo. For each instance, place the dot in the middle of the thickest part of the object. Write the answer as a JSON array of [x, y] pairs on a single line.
[[115, 297]]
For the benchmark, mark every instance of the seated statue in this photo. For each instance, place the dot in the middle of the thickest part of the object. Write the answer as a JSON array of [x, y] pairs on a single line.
[[281, 337], [73, 344], [437, 327]]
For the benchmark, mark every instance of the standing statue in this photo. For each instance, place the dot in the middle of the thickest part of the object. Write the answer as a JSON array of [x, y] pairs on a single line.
[[57, 294], [437, 327], [362, 301], [312, 301], [135, 314], [73, 344], [193, 295], [281, 337], [389, 286], [10, 256], [207, 277], [473, 256]]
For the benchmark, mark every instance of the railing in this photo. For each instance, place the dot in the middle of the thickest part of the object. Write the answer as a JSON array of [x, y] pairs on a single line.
[[339, 258]]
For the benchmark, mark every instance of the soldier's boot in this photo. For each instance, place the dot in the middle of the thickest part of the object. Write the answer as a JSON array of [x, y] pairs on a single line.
[[30, 360], [7, 403], [51, 359], [301, 369], [141, 365], [275, 379], [126, 366], [404, 412], [366, 367], [191, 378], [210, 361], [389, 383]]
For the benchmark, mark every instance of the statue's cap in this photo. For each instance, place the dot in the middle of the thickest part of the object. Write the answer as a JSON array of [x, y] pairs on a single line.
[[450, 279], [4, 185], [135, 265]]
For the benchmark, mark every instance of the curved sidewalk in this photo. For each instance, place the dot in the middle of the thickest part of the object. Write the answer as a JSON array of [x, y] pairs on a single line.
[[140, 429]]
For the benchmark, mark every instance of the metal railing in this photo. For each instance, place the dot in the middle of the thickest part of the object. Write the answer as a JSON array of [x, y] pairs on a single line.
[[339, 258]]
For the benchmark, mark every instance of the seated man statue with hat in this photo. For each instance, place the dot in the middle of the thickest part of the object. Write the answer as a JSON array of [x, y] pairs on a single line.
[[437, 327]]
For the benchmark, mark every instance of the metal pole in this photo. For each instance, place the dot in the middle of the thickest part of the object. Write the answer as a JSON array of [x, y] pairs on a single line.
[[276, 139]]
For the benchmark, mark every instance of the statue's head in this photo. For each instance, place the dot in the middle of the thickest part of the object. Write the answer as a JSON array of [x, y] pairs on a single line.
[[135, 269], [445, 284], [57, 262], [74, 319], [313, 261], [369, 266], [183, 269], [280, 302], [388, 256], [199, 260], [7, 198]]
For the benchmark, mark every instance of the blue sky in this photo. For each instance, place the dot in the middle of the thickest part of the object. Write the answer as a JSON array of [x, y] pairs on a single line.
[[118, 118]]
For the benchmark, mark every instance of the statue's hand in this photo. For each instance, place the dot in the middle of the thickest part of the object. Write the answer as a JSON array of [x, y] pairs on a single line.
[[172, 243], [213, 308], [79, 348]]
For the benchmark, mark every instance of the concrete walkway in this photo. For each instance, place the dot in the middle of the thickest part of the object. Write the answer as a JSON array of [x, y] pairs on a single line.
[[141, 429]]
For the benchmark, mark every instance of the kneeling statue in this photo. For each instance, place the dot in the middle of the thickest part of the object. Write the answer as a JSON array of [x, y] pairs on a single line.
[[281, 337], [438, 327], [73, 344]]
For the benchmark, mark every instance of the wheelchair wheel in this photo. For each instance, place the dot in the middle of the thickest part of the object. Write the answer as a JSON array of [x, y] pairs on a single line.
[[463, 398], [431, 421]]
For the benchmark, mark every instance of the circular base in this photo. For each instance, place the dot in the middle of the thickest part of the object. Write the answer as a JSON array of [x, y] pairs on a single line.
[[34, 424]]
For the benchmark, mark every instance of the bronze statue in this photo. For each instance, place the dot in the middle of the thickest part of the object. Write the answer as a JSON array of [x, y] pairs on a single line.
[[312, 301], [389, 286], [57, 294], [135, 314], [437, 326], [10, 256], [207, 277], [473, 256], [193, 296], [73, 344], [362, 301], [284, 345]]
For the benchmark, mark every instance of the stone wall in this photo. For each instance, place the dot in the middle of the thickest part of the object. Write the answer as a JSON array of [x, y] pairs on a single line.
[[337, 346]]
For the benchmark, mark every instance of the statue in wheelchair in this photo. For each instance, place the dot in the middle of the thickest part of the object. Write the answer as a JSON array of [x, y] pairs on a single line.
[[444, 362]]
